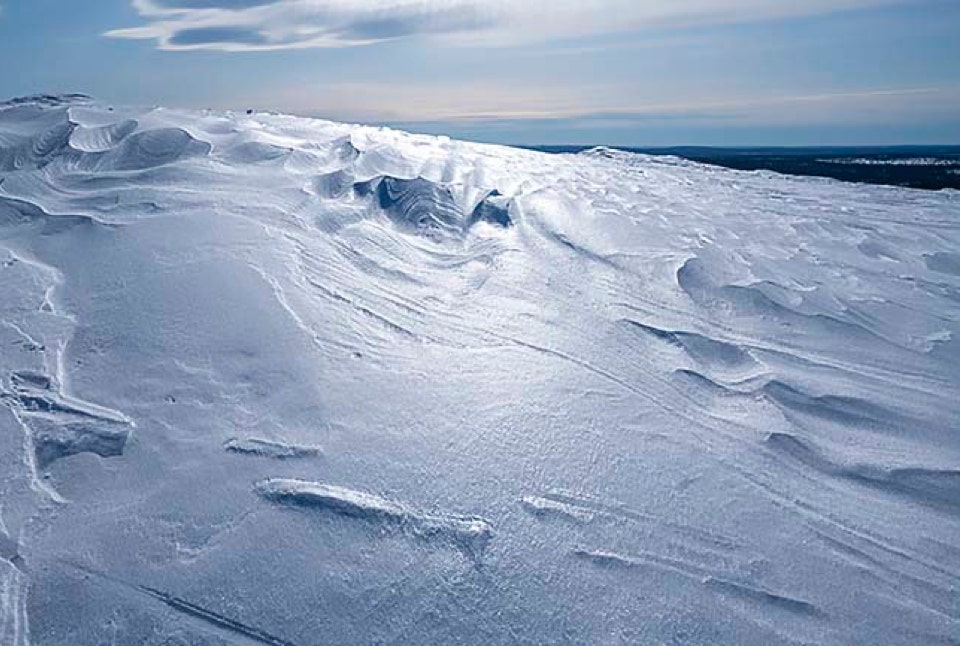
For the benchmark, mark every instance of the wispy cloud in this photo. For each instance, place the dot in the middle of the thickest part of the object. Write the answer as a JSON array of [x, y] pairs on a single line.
[[254, 25], [411, 103]]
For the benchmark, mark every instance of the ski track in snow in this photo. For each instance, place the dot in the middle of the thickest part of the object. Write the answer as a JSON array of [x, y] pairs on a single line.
[[737, 388]]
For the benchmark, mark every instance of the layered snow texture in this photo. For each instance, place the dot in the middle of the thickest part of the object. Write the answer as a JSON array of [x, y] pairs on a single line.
[[588, 399]]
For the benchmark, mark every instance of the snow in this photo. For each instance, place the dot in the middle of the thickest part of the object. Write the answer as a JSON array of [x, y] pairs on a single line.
[[269, 449], [577, 399]]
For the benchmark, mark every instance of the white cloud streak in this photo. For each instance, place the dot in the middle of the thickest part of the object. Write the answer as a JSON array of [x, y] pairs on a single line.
[[258, 25], [478, 102]]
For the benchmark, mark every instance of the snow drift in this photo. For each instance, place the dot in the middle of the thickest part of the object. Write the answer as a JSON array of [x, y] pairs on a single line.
[[656, 401]]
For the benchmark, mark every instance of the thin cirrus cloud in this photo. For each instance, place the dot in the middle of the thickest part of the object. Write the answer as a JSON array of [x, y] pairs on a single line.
[[256, 25], [464, 103]]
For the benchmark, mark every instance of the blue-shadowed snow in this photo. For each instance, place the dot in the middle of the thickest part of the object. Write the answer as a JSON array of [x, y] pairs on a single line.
[[602, 398]]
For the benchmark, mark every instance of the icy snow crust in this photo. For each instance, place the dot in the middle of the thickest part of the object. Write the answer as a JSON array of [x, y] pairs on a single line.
[[592, 399]]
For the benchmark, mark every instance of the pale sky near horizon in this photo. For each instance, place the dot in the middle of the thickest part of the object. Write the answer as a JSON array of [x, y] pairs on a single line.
[[618, 72]]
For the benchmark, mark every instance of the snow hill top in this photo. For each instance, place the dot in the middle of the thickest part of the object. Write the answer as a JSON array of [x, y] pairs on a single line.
[[274, 380]]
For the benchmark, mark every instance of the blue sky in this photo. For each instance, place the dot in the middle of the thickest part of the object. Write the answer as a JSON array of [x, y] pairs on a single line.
[[619, 72]]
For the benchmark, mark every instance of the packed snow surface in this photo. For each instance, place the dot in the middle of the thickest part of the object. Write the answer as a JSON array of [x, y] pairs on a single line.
[[270, 380]]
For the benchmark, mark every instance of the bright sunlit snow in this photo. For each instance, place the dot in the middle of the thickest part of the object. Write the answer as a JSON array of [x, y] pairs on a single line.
[[270, 380]]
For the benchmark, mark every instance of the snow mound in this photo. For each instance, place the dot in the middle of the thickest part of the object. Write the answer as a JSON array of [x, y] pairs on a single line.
[[468, 532], [269, 449], [699, 406]]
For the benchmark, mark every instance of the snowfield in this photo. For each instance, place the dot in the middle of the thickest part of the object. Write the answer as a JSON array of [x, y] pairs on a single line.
[[272, 380]]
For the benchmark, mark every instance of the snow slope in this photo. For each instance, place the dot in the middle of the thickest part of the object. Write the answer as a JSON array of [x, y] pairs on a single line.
[[269, 380]]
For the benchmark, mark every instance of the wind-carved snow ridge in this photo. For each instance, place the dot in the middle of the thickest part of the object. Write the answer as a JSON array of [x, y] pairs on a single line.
[[936, 487], [263, 448], [430, 208], [14, 621], [698, 406], [61, 426], [469, 533]]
